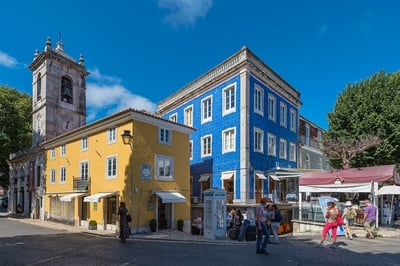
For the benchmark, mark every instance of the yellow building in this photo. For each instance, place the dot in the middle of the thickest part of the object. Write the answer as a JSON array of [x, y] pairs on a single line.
[[90, 170]]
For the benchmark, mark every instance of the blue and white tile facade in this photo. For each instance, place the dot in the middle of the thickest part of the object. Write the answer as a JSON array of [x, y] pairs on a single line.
[[246, 120]]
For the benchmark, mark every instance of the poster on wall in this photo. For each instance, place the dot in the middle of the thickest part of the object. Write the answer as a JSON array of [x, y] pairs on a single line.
[[323, 203]]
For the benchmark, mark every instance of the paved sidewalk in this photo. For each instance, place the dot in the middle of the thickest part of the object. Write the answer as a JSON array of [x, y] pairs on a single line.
[[175, 235]]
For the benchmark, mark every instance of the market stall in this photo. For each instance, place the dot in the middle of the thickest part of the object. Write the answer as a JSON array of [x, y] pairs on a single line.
[[365, 179]]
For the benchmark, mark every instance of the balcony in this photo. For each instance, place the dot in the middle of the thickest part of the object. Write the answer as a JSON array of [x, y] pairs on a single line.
[[81, 184]]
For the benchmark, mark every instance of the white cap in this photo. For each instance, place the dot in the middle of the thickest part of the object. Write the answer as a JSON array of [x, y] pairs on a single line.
[[348, 203]]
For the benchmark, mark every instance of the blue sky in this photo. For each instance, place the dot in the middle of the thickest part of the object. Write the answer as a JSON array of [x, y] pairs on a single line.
[[139, 52]]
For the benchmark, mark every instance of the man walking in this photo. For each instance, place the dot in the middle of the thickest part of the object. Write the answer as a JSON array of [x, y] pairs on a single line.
[[369, 218], [262, 231]]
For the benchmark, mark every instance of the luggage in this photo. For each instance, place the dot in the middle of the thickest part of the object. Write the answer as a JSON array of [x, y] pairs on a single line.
[[251, 233], [234, 233]]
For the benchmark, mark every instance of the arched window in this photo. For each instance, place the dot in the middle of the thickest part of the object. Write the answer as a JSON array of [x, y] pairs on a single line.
[[39, 87], [66, 90]]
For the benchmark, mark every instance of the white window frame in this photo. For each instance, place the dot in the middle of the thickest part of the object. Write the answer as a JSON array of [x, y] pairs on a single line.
[[206, 151], [84, 143], [293, 120], [271, 107], [174, 117], [229, 104], [52, 153], [308, 134], [84, 170], [229, 140], [206, 109], [162, 161], [259, 100], [63, 175], [111, 135], [164, 135], [52, 176], [282, 148], [63, 150], [191, 149], [188, 116], [283, 114], [258, 140], [112, 161], [271, 144], [292, 152]]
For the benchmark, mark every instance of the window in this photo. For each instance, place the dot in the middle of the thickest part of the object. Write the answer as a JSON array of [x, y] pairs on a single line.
[[206, 146], [258, 140], [63, 150], [308, 135], [173, 118], [53, 153], [271, 107], [188, 116], [165, 167], [111, 164], [293, 120], [228, 100], [39, 87], [84, 143], [164, 135], [319, 136], [282, 149], [111, 135], [206, 110], [63, 175], [52, 176], [292, 152], [66, 90], [228, 140], [259, 100], [283, 115], [84, 170], [271, 145], [191, 149]]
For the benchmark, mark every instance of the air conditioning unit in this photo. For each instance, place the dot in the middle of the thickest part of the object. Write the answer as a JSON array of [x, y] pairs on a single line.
[[195, 200]]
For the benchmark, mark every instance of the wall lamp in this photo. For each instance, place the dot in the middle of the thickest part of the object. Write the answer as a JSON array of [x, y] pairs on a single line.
[[127, 138]]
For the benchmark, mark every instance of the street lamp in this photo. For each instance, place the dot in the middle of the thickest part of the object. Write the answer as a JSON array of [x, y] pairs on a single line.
[[127, 138]]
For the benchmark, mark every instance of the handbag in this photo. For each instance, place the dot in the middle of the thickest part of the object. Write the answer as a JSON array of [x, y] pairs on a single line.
[[128, 218]]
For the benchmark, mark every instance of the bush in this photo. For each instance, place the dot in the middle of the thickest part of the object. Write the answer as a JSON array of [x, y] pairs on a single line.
[[180, 222], [92, 223]]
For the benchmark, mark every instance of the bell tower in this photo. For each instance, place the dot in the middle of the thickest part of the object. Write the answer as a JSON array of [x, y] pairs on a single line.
[[58, 92]]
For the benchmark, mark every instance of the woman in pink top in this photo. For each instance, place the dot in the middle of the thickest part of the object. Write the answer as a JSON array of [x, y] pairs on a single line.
[[331, 223]]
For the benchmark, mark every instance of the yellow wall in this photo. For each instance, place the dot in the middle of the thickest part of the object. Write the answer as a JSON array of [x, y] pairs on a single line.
[[145, 148]]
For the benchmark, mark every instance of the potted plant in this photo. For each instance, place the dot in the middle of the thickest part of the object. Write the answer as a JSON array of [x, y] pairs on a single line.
[[180, 224], [153, 225], [92, 225]]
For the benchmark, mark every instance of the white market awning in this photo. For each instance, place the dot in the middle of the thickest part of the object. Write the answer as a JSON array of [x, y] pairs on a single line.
[[98, 196], [261, 176], [170, 196], [228, 175], [389, 190], [68, 198], [204, 178]]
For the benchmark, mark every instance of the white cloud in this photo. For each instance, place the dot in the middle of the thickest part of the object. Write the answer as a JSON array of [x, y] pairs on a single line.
[[322, 30], [185, 12], [105, 95], [7, 60]]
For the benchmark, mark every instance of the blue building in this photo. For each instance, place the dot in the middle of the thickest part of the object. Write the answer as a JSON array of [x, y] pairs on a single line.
[[246, 120]]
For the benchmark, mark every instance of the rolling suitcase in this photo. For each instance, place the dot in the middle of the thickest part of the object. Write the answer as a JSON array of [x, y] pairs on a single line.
[[251, 233]]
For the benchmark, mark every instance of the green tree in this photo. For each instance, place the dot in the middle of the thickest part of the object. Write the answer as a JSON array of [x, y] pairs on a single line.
[[15, 126], [365, 123]]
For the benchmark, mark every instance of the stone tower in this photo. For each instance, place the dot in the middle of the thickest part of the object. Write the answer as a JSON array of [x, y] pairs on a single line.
[[58, 93]]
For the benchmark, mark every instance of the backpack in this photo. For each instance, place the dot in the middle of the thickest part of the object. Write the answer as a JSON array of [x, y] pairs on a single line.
[[350, 214], [278, 216]]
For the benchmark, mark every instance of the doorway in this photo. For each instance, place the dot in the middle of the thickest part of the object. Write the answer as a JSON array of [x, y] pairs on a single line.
[[164, 214]]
